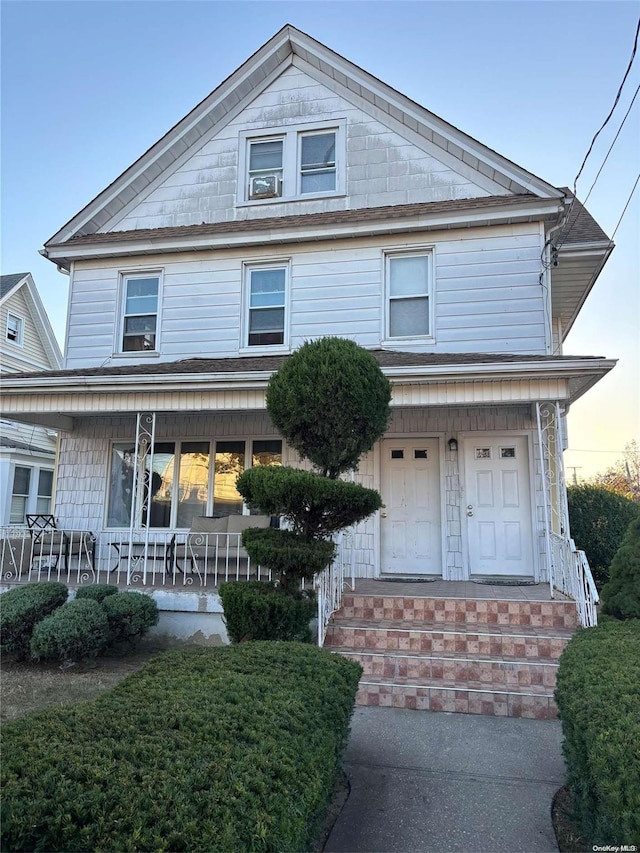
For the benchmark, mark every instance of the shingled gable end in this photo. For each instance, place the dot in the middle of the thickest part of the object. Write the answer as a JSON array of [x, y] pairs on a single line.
[[304, 197]]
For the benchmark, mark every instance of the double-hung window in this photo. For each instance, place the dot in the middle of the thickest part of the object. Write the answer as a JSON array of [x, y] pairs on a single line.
[[20, 494], [409, 295], [318, 162], [140, 298], [15, 329], [266, 297], [293, 163]]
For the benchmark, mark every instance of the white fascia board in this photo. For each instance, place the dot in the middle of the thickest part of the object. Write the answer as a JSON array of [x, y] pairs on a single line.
[[257, 380], [297, 234], [585, 250]]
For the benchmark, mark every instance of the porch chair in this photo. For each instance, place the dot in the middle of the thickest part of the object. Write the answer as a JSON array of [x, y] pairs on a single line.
[[50, 543]]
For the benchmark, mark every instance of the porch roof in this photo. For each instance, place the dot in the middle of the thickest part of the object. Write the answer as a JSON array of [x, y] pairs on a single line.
[[55, 397]]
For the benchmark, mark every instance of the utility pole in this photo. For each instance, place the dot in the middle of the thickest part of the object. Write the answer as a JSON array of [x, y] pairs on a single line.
[[575, 469]]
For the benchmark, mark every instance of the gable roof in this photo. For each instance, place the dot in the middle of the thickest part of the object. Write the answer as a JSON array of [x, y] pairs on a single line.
[[287, 46], [8, 282], [12, 283]]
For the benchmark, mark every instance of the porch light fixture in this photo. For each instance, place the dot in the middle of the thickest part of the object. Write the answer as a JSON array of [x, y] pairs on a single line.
[[453, 444]]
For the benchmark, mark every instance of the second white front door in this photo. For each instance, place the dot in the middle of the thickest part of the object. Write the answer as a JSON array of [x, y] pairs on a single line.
[[411, 539], [497, 506]]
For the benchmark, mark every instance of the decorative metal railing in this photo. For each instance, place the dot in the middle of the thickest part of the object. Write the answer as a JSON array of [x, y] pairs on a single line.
[[572, 576], [143, 558], [329, 584]]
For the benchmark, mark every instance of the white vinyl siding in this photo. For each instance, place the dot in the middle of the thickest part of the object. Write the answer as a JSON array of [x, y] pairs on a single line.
[[30, 353], [385, 162], [486, 293]]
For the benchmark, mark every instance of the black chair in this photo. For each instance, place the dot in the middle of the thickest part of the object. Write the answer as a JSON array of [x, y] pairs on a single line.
[[50, 543]]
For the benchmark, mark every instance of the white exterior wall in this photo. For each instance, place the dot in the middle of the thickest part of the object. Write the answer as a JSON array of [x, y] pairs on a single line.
[[31, 355], [386, 163], [84, 460], [487, 294]]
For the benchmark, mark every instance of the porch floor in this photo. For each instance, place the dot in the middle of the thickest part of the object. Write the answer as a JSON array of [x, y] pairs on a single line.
[[456, 589]]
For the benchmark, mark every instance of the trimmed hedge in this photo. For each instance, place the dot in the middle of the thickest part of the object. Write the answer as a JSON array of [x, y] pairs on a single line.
[[130, 615], [257, 610], [224, 749], [21, 608], [78, 630], [97, 592], [290, 556], [598, 695]]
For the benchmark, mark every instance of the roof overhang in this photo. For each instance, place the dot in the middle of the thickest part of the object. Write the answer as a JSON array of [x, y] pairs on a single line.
[[343, 225], [579, 265], [55, 401]]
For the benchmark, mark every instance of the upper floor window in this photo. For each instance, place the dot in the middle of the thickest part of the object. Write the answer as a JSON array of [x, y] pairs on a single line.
[[293, 163], [15, 329], [409, 297], [266, 288], [140, 312]]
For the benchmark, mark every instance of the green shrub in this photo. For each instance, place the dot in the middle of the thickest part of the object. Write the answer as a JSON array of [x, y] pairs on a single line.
[[228, 749], [130, 615], [78, 630], [330, 400], [21, 608], [621, 595], [599, 519], [259, 610], [97, 592], [316, 506], [290, 556], [598, 695]]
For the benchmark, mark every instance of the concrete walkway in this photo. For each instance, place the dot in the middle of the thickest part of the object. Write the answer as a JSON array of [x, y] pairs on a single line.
[[423, 781]]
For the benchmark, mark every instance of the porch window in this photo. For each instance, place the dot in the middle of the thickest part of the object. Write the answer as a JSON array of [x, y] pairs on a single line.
[[229, 464], [45, 491], [193, 481], [409, 295], [162, 469], [265, 453], [266, 292], [19, 494], [140, 300]]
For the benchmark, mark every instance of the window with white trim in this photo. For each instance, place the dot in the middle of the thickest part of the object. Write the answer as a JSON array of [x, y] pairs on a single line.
[[409, 295], [140, 300], [15, 329], [20, 494], [266, 300], [293, 163], [187, 479], [45, 492]]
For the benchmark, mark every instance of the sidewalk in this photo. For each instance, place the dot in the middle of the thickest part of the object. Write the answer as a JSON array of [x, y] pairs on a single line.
[[423, 781]]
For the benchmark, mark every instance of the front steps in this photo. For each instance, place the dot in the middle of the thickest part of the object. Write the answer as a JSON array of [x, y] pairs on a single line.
[[475, 656]]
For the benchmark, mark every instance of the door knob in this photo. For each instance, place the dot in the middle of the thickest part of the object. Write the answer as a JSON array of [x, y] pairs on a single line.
[[469, 512], [383, 514]]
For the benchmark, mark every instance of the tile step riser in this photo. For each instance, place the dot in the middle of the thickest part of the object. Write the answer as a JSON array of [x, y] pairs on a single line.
[[454, 700], [537, 614], [498, 674], [363, 640]]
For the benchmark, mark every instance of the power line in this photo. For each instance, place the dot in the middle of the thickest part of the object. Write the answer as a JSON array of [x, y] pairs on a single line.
[[624, 209]]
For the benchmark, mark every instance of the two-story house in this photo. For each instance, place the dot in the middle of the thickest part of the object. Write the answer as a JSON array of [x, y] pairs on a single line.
[[304, 197], [27, 452]]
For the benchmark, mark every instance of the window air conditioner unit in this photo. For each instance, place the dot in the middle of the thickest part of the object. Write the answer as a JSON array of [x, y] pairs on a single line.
[[265, 186]]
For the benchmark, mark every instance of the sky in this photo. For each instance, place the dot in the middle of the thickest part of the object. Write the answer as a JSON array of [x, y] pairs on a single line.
[[88, 86]]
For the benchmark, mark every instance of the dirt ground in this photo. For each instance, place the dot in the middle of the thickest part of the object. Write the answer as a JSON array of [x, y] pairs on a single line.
[[27, 687]]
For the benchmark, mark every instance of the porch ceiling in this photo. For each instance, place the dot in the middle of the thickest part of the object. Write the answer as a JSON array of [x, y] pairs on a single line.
[[55, 398]]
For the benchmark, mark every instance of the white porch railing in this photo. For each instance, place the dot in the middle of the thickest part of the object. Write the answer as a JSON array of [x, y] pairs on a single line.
[[329, 584], [572, 576], [145, 558]]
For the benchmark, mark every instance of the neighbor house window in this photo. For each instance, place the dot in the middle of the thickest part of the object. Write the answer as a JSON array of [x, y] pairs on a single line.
[[45, 491], [15, 329], [140, 320], [317, 162], [293, 162], [20, 494], [266, 301], [409, 295]]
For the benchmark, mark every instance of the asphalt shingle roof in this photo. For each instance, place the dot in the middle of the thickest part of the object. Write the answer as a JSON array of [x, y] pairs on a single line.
[[249, 364], [8, 282]]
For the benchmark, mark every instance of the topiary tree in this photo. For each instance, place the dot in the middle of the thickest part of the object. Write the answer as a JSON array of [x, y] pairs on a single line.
[[599, 519], [330, 401], [621, 595]]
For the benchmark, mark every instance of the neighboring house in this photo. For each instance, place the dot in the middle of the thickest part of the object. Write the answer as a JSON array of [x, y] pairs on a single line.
[[303, 197], [27, 451]]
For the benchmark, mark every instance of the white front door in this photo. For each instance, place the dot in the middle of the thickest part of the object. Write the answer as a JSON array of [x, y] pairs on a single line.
[[410, 527], [497, 505]]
